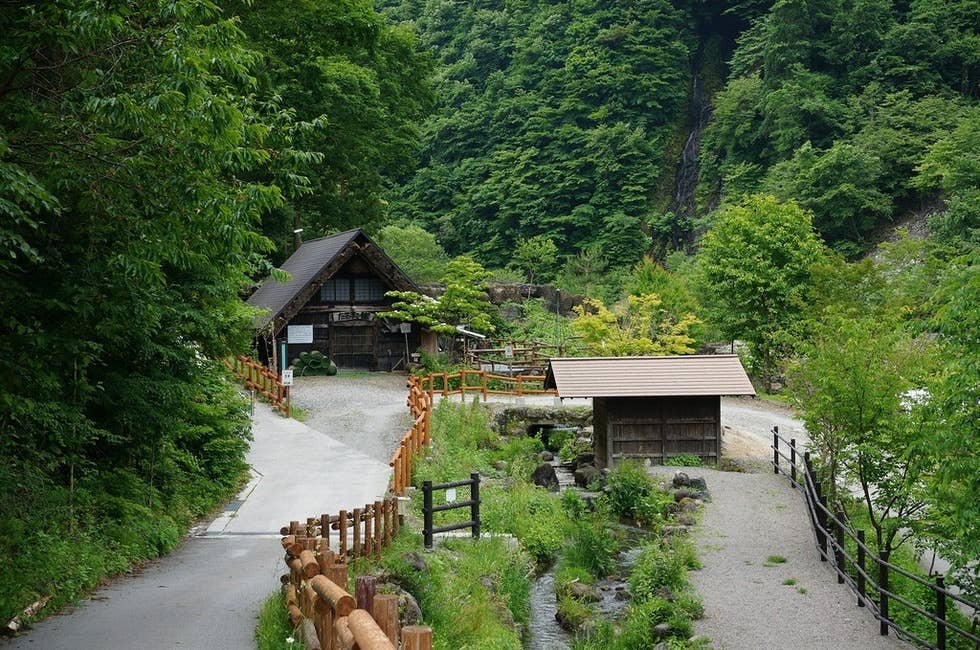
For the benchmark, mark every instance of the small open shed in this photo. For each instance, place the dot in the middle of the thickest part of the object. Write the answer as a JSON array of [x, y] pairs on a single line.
[[652, 407]]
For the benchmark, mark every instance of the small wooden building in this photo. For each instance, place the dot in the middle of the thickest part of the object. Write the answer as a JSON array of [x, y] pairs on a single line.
[[652, 407], [331, 303]]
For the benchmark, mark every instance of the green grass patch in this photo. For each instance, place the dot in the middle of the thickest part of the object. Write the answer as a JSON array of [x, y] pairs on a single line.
[[273, 631], [773, 560], [684, 460], [789, 582]]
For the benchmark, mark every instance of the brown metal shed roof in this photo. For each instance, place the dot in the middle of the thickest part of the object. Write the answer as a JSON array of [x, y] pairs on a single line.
[[691, 375]]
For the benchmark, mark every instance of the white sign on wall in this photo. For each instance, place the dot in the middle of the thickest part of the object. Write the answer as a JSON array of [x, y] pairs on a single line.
[[287, 377], [299, 334]]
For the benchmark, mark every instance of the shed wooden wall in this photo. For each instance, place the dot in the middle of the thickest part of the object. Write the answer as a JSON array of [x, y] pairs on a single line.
[[657, 428]]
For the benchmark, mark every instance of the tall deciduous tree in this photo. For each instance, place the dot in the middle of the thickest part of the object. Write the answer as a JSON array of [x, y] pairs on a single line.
[[856, 388], [640, 327], [756, 262]]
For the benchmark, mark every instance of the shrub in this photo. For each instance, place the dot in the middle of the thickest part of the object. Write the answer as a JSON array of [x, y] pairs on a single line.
[[684, 460], [658, 567], [632, 494]]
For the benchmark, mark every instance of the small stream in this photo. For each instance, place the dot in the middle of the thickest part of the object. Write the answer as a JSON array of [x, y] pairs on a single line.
[[544, 631]]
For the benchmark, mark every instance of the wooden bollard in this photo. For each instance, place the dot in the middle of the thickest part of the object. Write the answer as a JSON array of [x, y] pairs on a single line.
[[357, 534], [327, 559], [294, 549], [378, 531], [293, 528], [295, 615], [385, 611], [291, 595], [338, 574], [288, 540], [311, 523], [284, 530], [325, 530], [284, 579], [367, 634], [340, 602], [368, 537], [364, 592], [417, 637], [310, 566], [343, 635], [342, 535], [309, 601]]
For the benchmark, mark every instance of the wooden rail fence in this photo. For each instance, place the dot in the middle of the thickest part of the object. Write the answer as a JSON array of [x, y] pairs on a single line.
[[263, 381], [361, 532], [421, 397], [326, 616], [868, 573]]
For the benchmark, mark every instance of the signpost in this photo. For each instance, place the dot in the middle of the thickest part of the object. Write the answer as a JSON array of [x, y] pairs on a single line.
[[287, 377]]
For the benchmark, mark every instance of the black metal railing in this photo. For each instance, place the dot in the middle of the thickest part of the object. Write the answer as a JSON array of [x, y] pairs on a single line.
[[428, 510], [834, 536]]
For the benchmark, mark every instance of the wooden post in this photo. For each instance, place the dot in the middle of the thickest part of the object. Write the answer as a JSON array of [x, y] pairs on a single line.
[[445, 384], [882, 592], [364, 587], [368, 536], [940, 613], [342, 535], [311, 526], [462, 385], [483, 385], [862, 589], [343, 635], [378, 531], [417, 637], [385, 612], [325, 529], [387, 522], [357, 534]]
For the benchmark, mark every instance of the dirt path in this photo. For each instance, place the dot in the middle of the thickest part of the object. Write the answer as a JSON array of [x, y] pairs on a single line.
[[753, 517]]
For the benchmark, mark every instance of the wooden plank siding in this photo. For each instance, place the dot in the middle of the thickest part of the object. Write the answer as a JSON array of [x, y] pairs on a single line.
[[657, 428]]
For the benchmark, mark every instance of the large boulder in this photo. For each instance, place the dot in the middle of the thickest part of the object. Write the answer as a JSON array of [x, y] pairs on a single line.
[[546, 477], [586, 475]]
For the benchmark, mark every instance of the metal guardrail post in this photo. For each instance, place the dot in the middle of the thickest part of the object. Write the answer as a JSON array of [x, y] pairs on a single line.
[[839, 546], [475, 506], [427, 513], [940, 613], [792, 460], [883, 592], [862, 569], [775, 449]]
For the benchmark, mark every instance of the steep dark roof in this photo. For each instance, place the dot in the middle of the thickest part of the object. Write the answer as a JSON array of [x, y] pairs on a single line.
[[680, 376], [311, 265]]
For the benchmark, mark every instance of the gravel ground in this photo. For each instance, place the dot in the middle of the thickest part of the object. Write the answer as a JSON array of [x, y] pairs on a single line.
[[752, 516], [364, 410]]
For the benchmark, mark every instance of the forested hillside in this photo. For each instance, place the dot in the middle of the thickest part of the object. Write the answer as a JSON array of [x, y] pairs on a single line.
[[581, 121]]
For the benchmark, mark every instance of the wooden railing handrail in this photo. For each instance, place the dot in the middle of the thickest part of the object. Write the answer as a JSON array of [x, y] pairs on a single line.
[[263, 381]]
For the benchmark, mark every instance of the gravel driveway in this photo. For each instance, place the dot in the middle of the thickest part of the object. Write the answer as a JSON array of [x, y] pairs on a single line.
[[364, 410]]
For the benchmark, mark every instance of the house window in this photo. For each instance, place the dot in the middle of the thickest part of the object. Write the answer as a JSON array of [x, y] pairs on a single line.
[[368, 290], [335, 290]]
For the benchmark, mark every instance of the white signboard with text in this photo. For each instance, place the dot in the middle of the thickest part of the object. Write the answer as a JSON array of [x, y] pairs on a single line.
[[287, 377], [299, 334]]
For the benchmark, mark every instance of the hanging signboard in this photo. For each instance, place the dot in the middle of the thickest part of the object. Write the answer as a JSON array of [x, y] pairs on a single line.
[[299, 334], [287, 377]]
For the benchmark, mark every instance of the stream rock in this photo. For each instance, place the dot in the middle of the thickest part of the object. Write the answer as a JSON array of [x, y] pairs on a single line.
[[416, 561], [583, 592], [409, 612], [545, 476], [546, 456], [586, 475]]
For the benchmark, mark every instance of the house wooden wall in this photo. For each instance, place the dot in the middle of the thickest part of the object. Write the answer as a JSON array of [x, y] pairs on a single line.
[[348, 330], [657, 428]]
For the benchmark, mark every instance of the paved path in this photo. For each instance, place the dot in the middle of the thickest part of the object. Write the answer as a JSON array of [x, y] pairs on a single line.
[[208, 592], [747, 605]]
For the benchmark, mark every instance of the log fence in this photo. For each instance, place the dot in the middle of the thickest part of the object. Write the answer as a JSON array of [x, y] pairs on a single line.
[[871, 581], [263, 381], [325, 616]]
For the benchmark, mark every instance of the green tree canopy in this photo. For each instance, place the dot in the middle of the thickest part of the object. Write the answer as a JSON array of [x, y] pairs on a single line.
[[756, 264]]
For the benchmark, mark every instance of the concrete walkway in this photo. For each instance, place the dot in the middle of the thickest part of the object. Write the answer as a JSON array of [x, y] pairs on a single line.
[[207, 593], [747, 601]]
